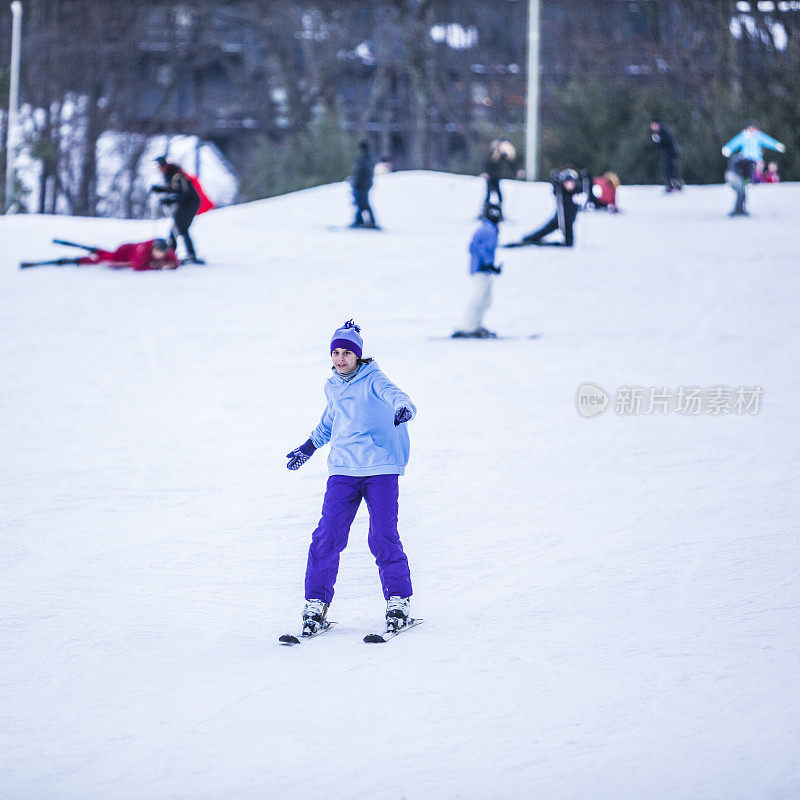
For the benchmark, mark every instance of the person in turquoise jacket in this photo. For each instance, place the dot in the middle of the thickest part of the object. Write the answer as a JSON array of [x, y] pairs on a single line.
[[745, 151], [751, 142], [365, 422]]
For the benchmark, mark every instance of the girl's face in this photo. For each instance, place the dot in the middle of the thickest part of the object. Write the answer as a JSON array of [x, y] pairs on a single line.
[[344, 360]]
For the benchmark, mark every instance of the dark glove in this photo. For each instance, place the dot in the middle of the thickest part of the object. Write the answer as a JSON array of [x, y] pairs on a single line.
[[402, 415], [495, 268], [300, 455]]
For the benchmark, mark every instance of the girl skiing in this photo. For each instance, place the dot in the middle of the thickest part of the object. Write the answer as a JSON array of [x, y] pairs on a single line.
[[364, 421]]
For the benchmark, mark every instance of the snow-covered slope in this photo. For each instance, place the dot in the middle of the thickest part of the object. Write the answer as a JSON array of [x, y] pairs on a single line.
[[611, 603]]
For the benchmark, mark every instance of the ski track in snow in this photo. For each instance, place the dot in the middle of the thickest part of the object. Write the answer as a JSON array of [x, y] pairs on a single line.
[[611, 604]]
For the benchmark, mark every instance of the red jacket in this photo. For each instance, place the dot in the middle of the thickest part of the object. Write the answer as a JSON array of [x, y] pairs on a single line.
[[605, 191], [137, 256]]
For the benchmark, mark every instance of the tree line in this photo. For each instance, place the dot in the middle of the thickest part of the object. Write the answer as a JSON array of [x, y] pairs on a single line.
[[285, 89]]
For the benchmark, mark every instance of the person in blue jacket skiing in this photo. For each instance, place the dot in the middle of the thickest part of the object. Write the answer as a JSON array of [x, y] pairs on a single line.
[[365, 421], [482, 270], [745, 151]]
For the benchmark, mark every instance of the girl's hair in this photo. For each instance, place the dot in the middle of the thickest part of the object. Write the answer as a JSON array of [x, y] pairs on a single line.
[[361, 361]]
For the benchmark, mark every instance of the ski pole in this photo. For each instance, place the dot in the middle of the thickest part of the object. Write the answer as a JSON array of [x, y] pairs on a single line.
[[73, 244], [587, 191], [56, 262]]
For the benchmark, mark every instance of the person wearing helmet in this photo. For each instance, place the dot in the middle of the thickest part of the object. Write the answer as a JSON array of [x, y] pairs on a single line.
[[139, 256], [565, 187], [482, 270]]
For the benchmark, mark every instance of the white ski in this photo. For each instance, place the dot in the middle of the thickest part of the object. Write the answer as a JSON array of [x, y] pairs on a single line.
[[382, 638], [290, 639]]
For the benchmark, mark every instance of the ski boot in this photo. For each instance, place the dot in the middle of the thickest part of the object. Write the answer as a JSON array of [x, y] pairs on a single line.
[[397, 613], [482, 333], [314, 617]]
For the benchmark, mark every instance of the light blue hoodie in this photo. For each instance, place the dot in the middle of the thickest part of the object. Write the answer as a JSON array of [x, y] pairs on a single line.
[[751, 144], [359, 423]]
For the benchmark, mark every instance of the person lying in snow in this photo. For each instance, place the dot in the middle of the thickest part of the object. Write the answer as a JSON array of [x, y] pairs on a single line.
[[153, 254], [139, 256]]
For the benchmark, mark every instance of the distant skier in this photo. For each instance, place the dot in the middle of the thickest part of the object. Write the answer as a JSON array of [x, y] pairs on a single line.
[[482, 270], [662, 138], [501, 163], [138, 256], [361, 182], [767, 173], [565, 189], [365, 422], [179, 192], [745, 151]]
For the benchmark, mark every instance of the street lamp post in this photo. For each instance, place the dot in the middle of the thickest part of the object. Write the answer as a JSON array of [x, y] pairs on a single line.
[[532, 117], [13, 98]]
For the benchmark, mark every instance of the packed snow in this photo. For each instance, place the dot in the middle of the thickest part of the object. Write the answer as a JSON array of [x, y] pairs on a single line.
[[610, 603]]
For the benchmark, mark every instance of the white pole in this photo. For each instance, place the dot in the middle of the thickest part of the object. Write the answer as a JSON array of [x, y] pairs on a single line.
[[532, 121], [13, 98]]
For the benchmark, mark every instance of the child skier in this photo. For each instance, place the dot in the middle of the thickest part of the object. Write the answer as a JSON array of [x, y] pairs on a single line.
[[745, 150], [364, 421], [482, 270]]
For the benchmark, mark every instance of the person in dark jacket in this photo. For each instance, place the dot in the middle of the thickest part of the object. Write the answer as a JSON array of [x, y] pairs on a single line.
[[179, 192], [501, 163], [662, 139], [738, 175], [361, 183], [565, 187]]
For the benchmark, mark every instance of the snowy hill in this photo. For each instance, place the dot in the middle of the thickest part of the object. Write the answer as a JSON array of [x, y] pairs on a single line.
[[611, 603]]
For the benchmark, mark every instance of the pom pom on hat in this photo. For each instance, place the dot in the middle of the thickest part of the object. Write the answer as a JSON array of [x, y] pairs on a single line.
[[348, 337]]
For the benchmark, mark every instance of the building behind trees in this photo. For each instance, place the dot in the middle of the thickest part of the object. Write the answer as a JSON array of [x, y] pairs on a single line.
[[285, 90]]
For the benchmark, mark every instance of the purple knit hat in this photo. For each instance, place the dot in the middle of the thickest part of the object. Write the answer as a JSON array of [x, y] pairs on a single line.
[[348, 337]]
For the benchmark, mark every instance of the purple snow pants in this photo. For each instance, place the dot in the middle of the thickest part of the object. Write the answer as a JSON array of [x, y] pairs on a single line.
[[342, 499]]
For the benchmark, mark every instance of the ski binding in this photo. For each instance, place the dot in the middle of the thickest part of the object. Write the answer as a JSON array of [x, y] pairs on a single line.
[[290, 639]]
